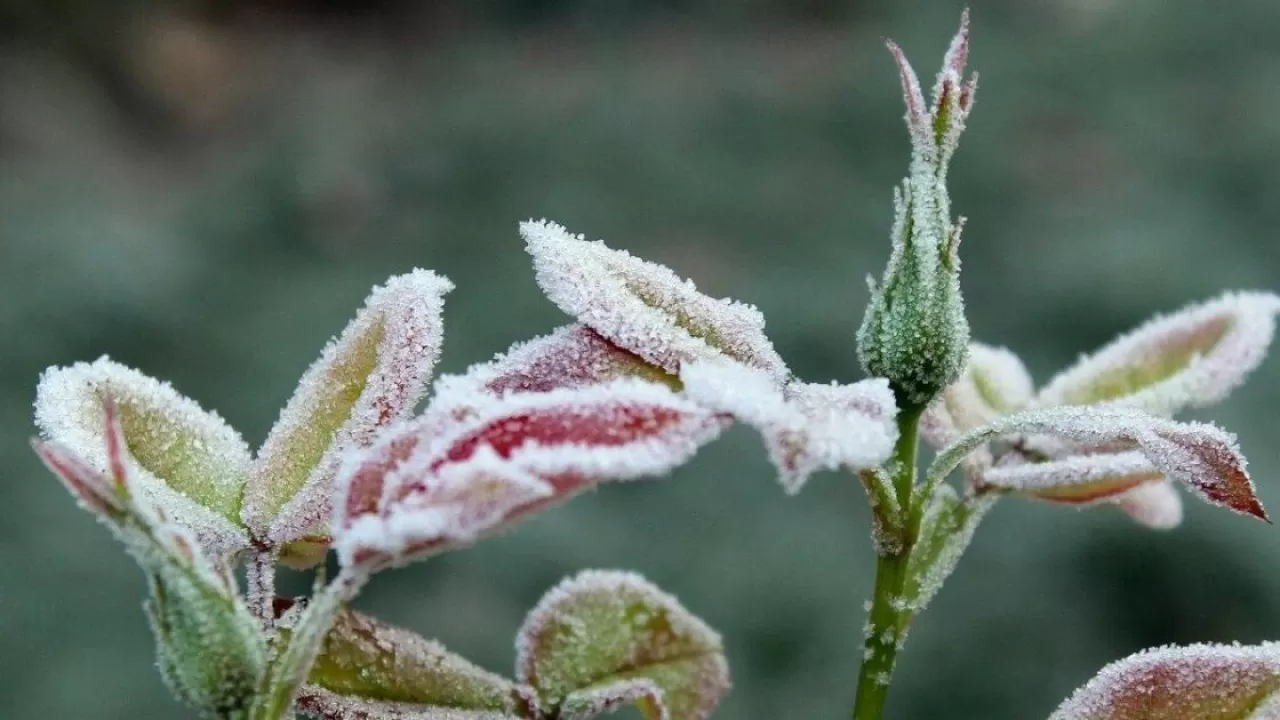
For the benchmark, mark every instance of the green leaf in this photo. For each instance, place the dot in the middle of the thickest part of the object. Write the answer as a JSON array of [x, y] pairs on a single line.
[[945, 532], [604, 637], [181, 457], [367, 658]]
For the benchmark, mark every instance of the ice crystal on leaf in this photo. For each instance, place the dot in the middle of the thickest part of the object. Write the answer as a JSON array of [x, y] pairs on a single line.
[[807, 427], [324, 705], [1191, 358], [372, 375], [427, 485], [946, 528], [604, 637], [993, 383], [644, 307], [183, 460], [572, 356], [1201, 456], [1180, 683], [364, 660]]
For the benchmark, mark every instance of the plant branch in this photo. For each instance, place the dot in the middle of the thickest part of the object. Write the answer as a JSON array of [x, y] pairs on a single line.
[[261, 584], [886, 625]]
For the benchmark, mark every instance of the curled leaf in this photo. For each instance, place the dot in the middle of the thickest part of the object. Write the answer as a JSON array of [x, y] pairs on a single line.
[[604, 637], [366, 659], [1156, 505], [186, 462], [1079, 479], [369, 377], [1191, 358], [1180, 683], [427, 485], [572, 356], [645, 307], [993, 383], [1201, 456], [807, 427]]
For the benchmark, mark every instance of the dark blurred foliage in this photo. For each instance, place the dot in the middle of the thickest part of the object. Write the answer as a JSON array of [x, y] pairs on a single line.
[[206, 191]]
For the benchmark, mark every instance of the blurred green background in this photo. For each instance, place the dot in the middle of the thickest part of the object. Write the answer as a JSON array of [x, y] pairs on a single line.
[[206, 191]]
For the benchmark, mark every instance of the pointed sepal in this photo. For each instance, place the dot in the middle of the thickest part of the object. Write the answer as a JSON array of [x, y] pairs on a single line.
[[644, 307], [1192, 358], [372, 375], [603, 638], [1224, 682]]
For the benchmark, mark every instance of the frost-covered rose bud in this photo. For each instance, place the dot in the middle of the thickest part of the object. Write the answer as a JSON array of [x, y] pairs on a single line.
[[914, 332]]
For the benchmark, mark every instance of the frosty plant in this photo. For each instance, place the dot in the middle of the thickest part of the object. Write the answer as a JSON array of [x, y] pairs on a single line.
[[650, 371]]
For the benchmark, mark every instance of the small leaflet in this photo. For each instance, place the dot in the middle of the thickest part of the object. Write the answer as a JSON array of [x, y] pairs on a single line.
[[1156, 505], [1201, 456], [1192, 358], [572, 356], [315, 702], [807, 427], [1225, 682], [372, 375], [945, 531], [645, 307], [366, 659], [604, 636], [183, 460], [1076, 480], [427, 485]]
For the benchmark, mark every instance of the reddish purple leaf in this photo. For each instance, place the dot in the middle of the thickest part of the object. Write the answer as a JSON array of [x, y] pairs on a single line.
[[1198, 682]]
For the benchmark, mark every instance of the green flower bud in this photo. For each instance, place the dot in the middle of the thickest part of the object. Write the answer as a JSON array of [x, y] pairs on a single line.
[[914, 332]]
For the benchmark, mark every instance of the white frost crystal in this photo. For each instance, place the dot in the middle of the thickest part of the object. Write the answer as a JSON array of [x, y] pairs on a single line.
[[1182, 683], [644, 307], [807, 427], [184, 460], [372, 375]]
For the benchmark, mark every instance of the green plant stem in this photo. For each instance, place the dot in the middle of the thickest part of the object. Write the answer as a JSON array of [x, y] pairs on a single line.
[[888, 618]]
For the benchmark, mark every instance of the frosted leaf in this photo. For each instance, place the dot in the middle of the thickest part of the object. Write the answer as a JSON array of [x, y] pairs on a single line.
[[1201, 456], [645, 307], [953, 94], [807, 427], [1077, 480], [1156, 505], [946, 528], [427, 485], [1224, 682], [209, 647], [994, 383], [315, 702], [373, 374], [186, 462], [365, 658], [572, 356], [596, 700], [1191, 358], [603, 627]]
